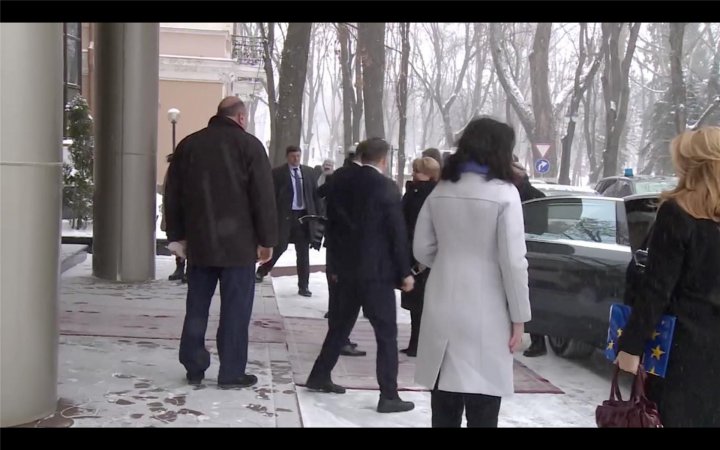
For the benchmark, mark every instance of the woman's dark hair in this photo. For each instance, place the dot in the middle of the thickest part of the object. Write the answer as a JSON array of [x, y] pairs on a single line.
[[485, 141], [169, 157]]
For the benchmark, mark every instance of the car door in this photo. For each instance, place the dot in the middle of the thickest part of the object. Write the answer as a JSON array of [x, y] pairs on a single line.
[[576, 266]]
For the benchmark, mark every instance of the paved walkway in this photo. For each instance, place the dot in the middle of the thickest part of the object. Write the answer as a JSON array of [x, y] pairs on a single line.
[[118, 364]]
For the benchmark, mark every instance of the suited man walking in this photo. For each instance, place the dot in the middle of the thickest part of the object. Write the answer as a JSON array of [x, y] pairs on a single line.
[[296, 196], [371, 258]]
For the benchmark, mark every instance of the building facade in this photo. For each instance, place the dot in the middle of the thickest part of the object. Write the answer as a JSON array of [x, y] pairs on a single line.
[[199, 64]]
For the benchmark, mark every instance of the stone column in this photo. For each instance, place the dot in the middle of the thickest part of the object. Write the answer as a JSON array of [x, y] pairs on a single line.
[[126, 68], [31, 112]]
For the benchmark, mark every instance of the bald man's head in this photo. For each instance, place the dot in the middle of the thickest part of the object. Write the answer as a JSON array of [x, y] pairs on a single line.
[[233, 108]]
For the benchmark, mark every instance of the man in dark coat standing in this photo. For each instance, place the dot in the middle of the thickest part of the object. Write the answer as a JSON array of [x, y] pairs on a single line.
[[370, 257], [345, 174], [296, 196], [528, 192], [221, 213]]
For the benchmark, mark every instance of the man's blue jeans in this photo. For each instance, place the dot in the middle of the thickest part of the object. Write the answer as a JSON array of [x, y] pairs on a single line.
[[237, 292]]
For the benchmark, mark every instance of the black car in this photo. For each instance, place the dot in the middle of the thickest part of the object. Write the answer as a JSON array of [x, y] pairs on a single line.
[[578, 250], [631, 185]]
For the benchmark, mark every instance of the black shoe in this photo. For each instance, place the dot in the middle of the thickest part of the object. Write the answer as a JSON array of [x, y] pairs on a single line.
[[395, 405], [195, 379], [326, 315], [535, 350], [409, 351], [259, 277], [243, 381], [184, 279], [328, 387], [305, 292], [179, 273], [354, 344], [349, 350]]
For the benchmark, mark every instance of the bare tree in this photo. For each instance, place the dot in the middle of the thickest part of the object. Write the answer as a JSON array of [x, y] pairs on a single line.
[[313, 87], [616, 89], [402, 97], [443, 63], [371, 47], [348, 93], [293, 72], [583, 77], [268, 37], [537, 119], [677, 82]]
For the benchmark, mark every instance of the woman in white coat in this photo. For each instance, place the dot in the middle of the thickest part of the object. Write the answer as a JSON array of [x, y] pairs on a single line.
[[470, 232]]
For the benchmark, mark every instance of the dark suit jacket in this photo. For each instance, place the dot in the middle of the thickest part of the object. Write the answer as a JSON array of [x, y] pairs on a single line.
[[219, 196], [284, 197], [367, 229]]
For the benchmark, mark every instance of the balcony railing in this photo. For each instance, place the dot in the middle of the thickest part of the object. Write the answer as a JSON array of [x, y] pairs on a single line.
[[248, 50]]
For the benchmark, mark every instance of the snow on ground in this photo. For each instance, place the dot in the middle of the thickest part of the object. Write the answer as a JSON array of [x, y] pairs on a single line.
[[585, 383]]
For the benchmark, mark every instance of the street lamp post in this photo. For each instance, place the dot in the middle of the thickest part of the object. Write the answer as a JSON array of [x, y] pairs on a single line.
[[173, 117]]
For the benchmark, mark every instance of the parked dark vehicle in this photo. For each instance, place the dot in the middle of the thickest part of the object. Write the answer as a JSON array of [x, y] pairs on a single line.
[[578, 250], [631, 185], [553, 189]]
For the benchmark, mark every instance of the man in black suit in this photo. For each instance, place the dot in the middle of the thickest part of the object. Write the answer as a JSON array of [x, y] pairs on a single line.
[[296, 196], [370, 257], [346, 173]]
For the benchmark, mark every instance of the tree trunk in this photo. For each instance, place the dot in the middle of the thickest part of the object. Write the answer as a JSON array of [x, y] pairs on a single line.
[[589, 127], [512, 91], [580, 85], [544, 130], [371, 48], [616, 90], [348, 93], [677, 83], [358, 106], [268, 44], [252, 109], [402, 99], [314, 83], [293, 71]]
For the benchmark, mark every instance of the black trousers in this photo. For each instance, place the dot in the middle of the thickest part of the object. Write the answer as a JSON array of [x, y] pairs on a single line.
[[378, 302], [332, 291], [300, 236], [481, 410], [415, 317], [237, 292]]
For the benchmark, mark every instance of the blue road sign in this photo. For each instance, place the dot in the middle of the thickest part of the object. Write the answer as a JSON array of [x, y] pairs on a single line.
[[542, 166]]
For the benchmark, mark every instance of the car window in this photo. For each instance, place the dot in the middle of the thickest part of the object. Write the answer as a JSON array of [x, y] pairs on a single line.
[[578, 219], [605, 186], [653, 187], [640, 217], [624, 188], [616, 189]]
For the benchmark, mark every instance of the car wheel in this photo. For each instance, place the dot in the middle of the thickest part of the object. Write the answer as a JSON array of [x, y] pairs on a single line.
[[570, 348]]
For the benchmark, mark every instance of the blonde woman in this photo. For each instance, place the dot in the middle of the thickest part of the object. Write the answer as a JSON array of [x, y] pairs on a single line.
[[426, 172], [682, 278]]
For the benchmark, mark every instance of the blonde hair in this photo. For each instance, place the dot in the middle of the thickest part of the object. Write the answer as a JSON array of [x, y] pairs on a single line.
[[696, 157], [427, 166]]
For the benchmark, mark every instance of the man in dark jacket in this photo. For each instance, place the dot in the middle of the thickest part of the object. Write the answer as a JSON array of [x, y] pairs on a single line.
[[528, 192], [295, 196], [221, 212], [344, 175], [370, 257]]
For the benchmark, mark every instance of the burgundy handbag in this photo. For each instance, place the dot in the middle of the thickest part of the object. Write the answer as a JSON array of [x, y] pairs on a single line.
[[637, 412]]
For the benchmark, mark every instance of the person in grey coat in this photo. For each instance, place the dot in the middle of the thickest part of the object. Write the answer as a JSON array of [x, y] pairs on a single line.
[[470, 233]]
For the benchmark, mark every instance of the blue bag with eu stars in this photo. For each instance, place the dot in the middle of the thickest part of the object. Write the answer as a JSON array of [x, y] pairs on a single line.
[[657, 348]]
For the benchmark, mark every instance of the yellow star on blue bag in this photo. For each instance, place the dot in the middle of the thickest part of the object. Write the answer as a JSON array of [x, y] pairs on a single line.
[[657, 348]]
